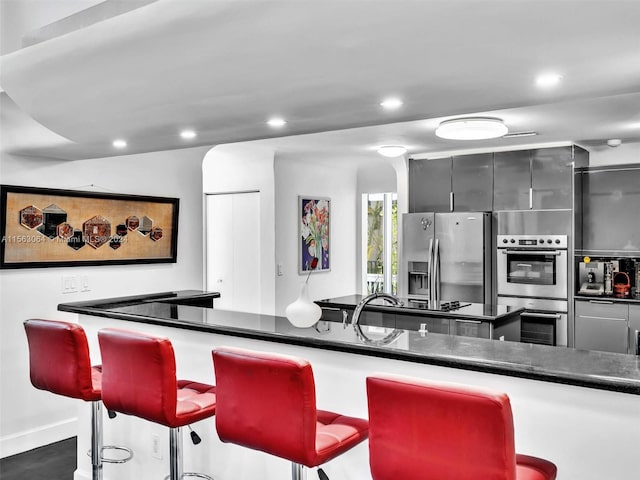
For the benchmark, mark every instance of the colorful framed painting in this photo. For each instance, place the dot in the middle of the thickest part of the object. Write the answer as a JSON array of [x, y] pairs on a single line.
[[43, 227], [314, 219]]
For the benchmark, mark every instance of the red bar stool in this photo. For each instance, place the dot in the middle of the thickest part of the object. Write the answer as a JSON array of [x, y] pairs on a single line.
[[421, 429], [267, 402], [59, 363], [139, 378]]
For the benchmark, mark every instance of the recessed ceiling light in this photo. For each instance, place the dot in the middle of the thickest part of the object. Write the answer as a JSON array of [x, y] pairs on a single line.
[[276, 122], [119, 143], [391, 103], [547, 80], [188, 134], [479, 128], [392, 150]]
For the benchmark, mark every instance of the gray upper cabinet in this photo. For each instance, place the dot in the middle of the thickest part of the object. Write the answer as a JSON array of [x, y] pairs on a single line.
[[461, 183], [540, 179], [537, 179], [472, 183], [551, 178], [429, 185], [511, 180], [610, 206]]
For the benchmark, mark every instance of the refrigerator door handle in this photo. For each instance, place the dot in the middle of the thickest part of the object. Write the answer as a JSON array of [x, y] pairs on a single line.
[[436, 271], [430, 268]]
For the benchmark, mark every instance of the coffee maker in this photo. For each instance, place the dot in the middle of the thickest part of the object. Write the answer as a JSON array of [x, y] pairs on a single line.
[[592, 278]]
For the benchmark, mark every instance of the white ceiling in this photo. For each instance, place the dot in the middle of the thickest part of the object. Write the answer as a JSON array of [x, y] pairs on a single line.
[[223, 67]]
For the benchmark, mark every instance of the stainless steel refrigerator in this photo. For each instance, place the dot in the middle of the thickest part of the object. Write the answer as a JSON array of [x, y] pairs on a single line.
[[447, 256]]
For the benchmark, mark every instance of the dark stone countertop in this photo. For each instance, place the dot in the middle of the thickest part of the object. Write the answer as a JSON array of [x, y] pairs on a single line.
[[591, 369], [467, 311]]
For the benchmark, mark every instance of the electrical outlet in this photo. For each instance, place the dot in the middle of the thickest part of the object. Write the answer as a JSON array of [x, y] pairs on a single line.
[[156, 452], [84, 283]]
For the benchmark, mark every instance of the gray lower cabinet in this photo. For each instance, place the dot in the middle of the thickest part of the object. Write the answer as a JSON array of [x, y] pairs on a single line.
[[634, 329], [431, 324], [374, 319], [602, 325], [471, 328]]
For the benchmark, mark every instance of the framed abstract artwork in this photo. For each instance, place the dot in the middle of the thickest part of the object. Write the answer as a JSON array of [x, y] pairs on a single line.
[[314, 215], [44, 227]]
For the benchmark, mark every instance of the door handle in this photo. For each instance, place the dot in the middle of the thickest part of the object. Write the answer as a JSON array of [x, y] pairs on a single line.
[[541, 315], [536, 252], [436, 270]]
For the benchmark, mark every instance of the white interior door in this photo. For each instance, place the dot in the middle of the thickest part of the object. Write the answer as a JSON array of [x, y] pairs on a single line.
[[233, 250]]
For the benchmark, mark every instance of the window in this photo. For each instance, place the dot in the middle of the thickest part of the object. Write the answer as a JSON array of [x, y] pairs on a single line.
[[380, 244]]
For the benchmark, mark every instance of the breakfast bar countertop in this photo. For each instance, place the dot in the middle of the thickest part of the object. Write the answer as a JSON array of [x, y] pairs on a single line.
[[187, 310]]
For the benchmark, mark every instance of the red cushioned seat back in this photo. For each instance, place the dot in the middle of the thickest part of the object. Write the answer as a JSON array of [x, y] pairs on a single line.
[[59, 359], [138, 375], [266, 402], [422, 430]]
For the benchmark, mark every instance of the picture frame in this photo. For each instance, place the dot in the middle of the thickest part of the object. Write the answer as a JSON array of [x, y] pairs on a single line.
[[46, 227], [314, 228]]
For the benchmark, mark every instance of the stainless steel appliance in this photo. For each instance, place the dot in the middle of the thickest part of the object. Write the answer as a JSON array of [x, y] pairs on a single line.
[[447, 256], [594, 278], [532, 266], [532, 272]]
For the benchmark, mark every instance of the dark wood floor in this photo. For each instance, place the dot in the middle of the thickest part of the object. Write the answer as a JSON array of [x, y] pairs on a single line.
[[51, 462]]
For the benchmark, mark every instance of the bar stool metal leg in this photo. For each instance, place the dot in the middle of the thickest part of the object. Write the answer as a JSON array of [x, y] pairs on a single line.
[[175, 454], [96, 440], [175, 458], [297, 471]]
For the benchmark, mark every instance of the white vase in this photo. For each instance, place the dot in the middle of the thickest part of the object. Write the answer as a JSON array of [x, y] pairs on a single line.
[[303, 312]]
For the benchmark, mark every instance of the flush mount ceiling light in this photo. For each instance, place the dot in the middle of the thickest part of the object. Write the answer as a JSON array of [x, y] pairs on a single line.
[[392, 151], [479, 128], [119, 143]]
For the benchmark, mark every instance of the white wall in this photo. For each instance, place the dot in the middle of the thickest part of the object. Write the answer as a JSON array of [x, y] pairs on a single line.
[[244, 167], [29, 417], [314, 177], [625, 153]]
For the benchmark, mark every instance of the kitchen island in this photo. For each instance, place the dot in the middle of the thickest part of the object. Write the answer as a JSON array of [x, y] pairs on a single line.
[[579, 409], [492, 321]]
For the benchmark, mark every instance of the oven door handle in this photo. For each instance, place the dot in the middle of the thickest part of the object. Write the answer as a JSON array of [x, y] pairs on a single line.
[[530, 252], [541, 315]]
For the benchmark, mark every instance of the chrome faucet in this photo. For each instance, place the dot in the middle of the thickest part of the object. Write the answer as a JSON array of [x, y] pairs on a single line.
[[355, 319]]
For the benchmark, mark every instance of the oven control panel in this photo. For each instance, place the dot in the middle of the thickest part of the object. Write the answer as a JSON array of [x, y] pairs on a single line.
[[532, 241]]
